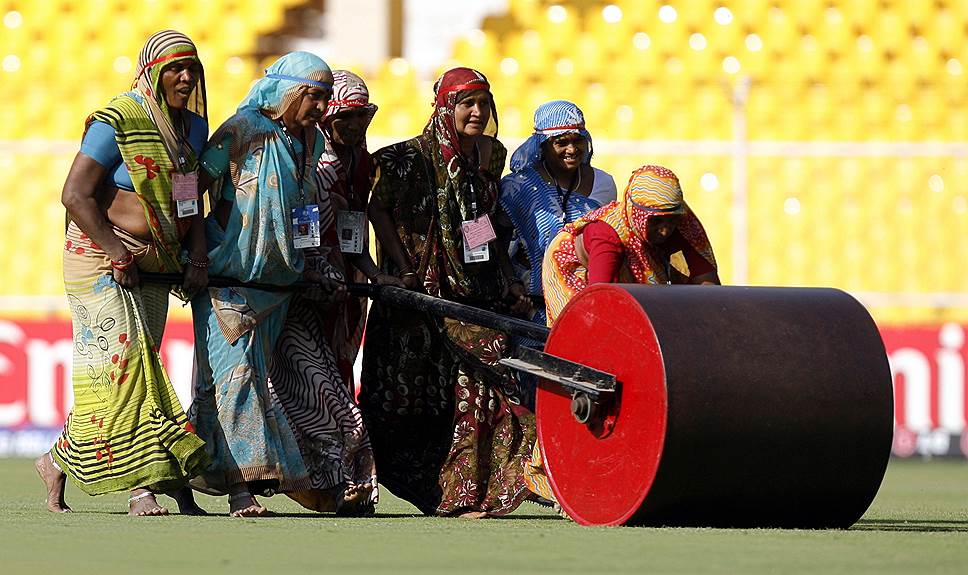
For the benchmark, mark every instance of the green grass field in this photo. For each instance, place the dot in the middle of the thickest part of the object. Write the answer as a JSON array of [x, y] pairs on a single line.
[[917, 524]]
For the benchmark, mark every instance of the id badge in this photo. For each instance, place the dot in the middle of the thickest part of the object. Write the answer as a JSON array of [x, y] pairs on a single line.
[[476, 255], [184, 190], [477, 232], [305, 227], [349, 225]]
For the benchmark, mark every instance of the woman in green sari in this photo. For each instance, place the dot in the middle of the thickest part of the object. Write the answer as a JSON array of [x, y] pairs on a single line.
[[129, 199]]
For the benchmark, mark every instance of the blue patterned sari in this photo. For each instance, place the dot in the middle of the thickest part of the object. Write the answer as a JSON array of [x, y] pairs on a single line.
[[246, 433]]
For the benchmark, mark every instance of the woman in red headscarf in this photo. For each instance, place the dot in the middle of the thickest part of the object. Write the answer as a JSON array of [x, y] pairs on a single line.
[[444, 421]]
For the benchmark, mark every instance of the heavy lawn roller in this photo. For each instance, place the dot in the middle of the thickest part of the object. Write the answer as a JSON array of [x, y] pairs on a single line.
[[701, 405]]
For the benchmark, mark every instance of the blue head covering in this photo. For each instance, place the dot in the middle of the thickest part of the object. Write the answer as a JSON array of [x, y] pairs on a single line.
[[286, 79], [550, 119]]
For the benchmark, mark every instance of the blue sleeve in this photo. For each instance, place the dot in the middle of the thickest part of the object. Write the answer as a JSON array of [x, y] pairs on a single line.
[[510, 198], [215, 158], [197, 133], [100, 144]]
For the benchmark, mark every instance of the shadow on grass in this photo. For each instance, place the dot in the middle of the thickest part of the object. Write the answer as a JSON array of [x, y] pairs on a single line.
[[912, 525], [311, 515]]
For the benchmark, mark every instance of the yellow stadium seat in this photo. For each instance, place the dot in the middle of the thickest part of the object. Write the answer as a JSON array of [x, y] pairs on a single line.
[[749, 14], [725, 40], [807, 13], [697, 14], [891, 31], [477, 50], [588, 58], [947, 31], [532, 56], [669, 39], [613, 38], [526, 11], [558, 28], [780, 34]]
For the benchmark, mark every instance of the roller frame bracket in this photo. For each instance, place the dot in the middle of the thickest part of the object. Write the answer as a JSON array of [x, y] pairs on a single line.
[[574, 377]]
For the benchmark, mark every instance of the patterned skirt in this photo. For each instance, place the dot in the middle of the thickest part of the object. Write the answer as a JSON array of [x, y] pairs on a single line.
[[127, 429], [307, 383], [246, 433], [448, 433]]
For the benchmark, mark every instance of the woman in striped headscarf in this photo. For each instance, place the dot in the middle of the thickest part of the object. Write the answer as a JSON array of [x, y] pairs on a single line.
[[650, 237], [552, 182], [346, 173], [131, 202], [312, 367], [264, 228]]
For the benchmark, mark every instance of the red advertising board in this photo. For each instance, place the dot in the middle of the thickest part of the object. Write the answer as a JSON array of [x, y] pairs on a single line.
[[35, 366], [928, 365]]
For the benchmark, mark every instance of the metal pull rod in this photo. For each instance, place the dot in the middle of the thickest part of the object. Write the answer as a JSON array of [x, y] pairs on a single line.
[[387, 294]]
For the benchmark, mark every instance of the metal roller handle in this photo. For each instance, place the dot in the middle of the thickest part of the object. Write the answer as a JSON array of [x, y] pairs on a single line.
[[391, 295]]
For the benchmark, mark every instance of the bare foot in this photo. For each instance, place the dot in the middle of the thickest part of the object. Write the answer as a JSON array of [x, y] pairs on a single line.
[[185, 499], [142, 503], [55, 480], [355, 499], [243, 504], [474, 515]]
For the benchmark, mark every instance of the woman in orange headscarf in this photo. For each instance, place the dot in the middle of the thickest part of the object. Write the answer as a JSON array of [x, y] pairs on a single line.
[[646, 238], [650, 237]]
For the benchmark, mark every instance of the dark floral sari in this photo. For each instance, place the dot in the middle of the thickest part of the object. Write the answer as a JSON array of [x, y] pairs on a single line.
[[445, 423]]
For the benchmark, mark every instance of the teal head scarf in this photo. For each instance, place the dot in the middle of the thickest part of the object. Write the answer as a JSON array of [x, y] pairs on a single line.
[[286, 80]]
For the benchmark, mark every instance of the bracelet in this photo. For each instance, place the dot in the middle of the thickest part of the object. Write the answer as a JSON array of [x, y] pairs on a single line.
[[123, 263], [201, 264], [405, 274]]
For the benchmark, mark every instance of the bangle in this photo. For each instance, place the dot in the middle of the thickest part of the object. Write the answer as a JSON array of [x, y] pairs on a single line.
[[405, 274], [202, 264], [123, 263]]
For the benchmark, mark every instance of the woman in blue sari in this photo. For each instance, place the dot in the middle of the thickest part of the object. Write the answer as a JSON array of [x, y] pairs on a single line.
[[551, 184], [263, 228]]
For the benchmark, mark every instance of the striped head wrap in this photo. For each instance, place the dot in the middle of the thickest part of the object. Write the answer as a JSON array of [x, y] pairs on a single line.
[[349, 93], [652, 191], [285, 82], [551, 119], [160, 50], [655, 189]]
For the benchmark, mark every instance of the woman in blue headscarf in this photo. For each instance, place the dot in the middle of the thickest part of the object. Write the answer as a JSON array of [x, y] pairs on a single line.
[[264, 227], [551, 184]]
